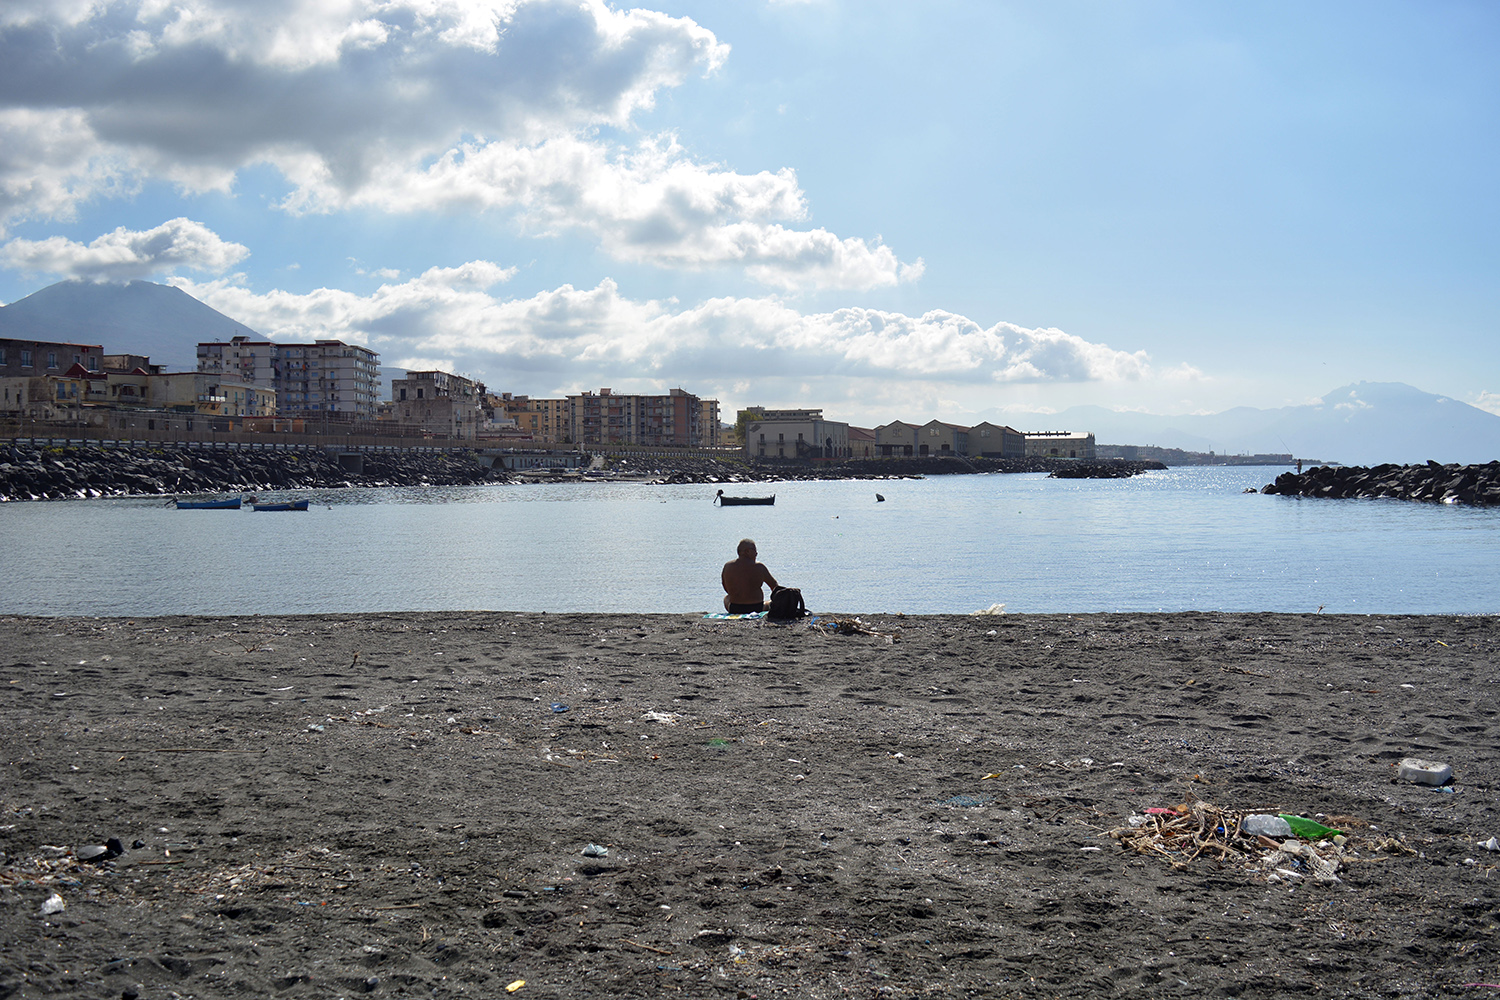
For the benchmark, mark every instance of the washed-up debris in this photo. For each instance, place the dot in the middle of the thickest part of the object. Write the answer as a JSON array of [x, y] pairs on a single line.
[[53, 904], [1182, 834], [664, 718], [853, 626], [1424, 772], [595, 851]]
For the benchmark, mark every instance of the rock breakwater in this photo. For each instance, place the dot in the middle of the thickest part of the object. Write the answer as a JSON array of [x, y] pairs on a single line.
[[1477, 485], [52, 473]]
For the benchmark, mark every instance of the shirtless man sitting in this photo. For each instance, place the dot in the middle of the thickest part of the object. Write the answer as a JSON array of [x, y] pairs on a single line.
[[742, 580]]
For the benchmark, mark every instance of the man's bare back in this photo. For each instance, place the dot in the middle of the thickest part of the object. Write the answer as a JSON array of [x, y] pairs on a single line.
[[742, 579]]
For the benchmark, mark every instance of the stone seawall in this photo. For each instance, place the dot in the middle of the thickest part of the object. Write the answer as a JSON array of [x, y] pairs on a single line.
[[50, 473], [31, 472], [1478, 485]]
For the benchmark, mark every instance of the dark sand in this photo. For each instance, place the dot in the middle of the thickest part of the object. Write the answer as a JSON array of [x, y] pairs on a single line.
[[387, 805]]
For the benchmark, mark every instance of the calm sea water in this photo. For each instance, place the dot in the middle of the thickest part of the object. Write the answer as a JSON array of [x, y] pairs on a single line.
[[1184, 539]]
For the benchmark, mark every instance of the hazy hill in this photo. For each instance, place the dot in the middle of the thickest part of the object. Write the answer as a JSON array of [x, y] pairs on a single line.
[[1362, 424], [141, 317]]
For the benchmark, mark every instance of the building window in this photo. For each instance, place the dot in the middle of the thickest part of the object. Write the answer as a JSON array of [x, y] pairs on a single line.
[[25, 358], [51, 359]]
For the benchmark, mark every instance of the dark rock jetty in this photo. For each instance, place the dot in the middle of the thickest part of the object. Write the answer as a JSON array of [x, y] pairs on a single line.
[[711, 470], [51, 473], [32, 472], [1477, 485], [1103, 470]]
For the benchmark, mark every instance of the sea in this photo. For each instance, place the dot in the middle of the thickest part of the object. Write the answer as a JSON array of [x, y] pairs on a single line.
[[1184, 539]]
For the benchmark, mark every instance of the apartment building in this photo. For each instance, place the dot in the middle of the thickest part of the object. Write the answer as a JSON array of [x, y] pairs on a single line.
[[447, 405], [673, 420], [541, 421], [327, 378], [29, 358], [209, 393]]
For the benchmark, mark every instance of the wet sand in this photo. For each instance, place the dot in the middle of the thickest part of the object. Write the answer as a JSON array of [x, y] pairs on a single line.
[[390, 805]]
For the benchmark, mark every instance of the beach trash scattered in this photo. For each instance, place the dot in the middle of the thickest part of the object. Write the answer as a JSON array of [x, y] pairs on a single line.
[[515, 985], [1491, 845], [1198, 829], [53, 904], [595, 851], [1424, 772], [559, 708]]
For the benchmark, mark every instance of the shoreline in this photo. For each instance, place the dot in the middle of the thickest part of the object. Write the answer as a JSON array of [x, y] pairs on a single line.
[[399, 804]]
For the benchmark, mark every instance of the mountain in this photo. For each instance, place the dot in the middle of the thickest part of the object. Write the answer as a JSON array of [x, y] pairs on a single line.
[[141, 317], [1366, 423]]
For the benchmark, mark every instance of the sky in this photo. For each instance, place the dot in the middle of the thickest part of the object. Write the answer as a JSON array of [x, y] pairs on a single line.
[[891, 210]]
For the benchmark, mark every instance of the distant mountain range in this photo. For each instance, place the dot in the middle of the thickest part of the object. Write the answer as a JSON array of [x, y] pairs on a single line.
[[1362, 424], [1366, 423]]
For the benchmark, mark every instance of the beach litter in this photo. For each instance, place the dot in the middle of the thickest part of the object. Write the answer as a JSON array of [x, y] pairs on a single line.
[[595, 851], [1181, 834], [1423, 772], [857, 627]]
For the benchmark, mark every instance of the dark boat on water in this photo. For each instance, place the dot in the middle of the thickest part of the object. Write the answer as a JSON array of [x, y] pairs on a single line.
[[232, 504], [725, 501], [282, 505]]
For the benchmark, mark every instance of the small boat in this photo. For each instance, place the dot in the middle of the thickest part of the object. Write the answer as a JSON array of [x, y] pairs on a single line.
[[724, 501], [231, 504], [282, 505]]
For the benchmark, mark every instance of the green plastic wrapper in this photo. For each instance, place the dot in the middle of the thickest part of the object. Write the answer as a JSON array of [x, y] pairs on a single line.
[[1308, 829]]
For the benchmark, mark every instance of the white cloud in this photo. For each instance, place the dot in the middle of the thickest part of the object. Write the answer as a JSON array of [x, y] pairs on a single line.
[[401, 105], [650, 204], [1488, 401], [51, 160], [590, 337], [124, 254]]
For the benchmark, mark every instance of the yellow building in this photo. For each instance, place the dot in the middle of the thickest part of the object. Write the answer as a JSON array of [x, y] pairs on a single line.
[[897, 439], [210, 393]]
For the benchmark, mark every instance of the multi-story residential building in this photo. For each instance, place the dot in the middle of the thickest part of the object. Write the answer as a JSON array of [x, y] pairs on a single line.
[[28, 358], [209, 393], [447, 405], [792, 434], [68, 396], [608, 417], [542, 421], [327, 378], [708, 422], [1059, 444]]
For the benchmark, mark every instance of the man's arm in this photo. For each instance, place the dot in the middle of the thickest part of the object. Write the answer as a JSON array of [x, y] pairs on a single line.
[[766, 577]]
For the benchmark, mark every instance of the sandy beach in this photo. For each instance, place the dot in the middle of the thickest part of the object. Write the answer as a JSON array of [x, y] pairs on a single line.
[[446, 805]]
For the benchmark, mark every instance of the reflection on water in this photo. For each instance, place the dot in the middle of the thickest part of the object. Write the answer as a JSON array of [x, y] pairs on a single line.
[[1186, 539]]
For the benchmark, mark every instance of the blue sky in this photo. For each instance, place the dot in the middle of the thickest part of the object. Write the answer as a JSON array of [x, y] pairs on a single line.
[[950, 209]]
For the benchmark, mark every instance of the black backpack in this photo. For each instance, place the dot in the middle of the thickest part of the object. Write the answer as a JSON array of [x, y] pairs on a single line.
[[786, 604]]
